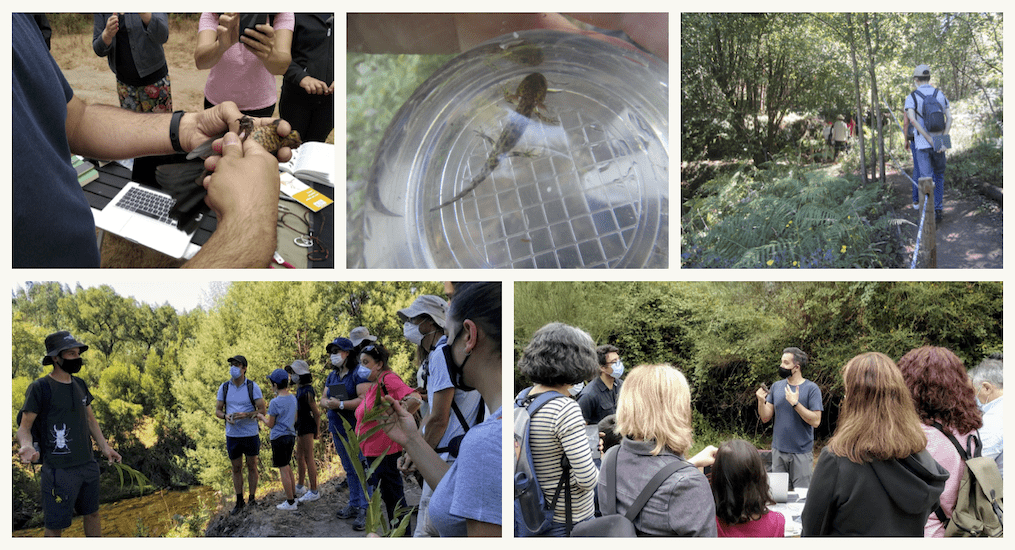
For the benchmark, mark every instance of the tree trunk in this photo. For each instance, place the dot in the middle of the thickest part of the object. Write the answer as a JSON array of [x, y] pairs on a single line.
[[856, 87]]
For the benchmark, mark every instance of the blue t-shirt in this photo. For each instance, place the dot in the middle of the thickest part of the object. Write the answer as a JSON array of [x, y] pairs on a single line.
[[357, 376], [790, 433], [283, 408], [52, 221], [468, 401], [471, 488], [238, 400]]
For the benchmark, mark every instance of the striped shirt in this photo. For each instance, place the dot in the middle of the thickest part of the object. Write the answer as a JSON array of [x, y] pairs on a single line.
[[555, 429]]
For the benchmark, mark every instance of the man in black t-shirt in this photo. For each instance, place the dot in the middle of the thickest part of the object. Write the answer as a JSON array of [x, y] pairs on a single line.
[[61, 403]]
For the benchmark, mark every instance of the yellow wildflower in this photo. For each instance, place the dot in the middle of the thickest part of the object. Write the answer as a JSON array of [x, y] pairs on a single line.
[[843, 251], [770, 262]]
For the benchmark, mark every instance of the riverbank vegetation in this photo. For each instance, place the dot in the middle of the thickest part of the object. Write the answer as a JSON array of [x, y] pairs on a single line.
[[154, 371]]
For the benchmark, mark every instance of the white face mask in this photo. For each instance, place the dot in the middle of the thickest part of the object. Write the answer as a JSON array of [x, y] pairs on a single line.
[[618, 369], [576, 389], [412, 333], [337, 359]]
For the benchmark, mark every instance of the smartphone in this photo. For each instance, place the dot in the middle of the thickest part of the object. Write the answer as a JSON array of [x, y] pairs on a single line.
[[250, 20]]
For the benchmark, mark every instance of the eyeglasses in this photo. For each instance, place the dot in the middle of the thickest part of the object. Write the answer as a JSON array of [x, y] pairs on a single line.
[[370, 348]]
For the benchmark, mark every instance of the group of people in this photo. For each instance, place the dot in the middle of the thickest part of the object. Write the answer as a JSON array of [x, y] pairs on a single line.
[[50, 123], [888, 470]]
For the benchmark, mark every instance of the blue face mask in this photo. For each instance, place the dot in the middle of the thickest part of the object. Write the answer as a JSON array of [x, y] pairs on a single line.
[[618, 369], [235, 372]]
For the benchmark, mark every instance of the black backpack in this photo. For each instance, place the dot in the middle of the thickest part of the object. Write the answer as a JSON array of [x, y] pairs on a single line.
[[612, 524], [41, 418], [250, 393], [932, 112], [979, 506]]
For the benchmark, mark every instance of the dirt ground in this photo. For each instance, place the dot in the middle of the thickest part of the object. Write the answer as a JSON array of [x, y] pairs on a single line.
[[92, 80], [313, 519], [971, 234]]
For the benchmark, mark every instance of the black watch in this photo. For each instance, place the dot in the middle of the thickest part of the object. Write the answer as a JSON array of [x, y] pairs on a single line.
[[174, 131]]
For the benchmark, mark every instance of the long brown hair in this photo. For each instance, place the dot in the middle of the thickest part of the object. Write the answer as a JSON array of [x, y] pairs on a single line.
[[941, 389], [739, 483], [877, 418]]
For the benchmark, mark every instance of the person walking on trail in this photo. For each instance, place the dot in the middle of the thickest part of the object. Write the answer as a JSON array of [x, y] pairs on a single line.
[[839, 135], [928, 112], [238, 402], [61, 403], [796, 405]]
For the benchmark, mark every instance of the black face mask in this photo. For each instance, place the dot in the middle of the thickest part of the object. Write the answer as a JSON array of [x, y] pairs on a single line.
[[72, 366], [785, 373], [456, 371]]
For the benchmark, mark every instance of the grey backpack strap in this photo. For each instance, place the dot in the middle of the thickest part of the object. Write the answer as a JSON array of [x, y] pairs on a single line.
[[653, 484], [608, 502]]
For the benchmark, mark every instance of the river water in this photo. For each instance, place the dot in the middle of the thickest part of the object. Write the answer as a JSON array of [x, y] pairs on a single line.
[[149, 515]]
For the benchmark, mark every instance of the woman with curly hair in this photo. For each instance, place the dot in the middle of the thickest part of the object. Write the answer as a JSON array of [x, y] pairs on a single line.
[[945, 401], [874, 478], [557, 357], [741, 493]]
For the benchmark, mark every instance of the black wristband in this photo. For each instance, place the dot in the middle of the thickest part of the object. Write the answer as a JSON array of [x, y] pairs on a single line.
[[174, 131]]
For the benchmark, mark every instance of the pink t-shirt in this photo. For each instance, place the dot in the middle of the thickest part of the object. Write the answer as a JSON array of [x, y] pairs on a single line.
[[376, 444], [772, 524], [945, 454], [239, 76]]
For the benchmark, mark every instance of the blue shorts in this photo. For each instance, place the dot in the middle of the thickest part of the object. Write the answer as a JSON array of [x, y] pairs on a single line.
[[248, 446], [282, 450], [69, 490]]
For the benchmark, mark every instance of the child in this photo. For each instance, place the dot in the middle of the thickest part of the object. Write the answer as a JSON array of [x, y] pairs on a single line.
[[281, 419], [740, 490], [308, 418]]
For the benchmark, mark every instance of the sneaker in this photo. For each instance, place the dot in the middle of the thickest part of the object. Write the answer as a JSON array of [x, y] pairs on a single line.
[[916, 206], [284, 505], [348, 512], [300, 490], [310, 496], [360, 523]]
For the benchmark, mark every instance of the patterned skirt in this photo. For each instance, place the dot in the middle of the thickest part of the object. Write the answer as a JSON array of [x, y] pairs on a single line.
[[153, 98]]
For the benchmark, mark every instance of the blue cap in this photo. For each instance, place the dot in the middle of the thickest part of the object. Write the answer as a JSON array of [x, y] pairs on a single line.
[[343, 344], [278, 376]]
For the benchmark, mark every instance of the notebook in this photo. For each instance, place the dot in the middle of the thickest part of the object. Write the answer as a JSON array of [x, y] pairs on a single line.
[[778, 484], [141, 214]]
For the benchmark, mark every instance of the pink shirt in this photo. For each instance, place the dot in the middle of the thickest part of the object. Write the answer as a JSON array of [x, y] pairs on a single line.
[[376, 444], [239, 76], [945, 454], [772, 524]]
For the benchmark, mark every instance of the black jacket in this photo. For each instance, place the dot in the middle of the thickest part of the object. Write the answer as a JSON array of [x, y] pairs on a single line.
[[891, 498], [313, 50]]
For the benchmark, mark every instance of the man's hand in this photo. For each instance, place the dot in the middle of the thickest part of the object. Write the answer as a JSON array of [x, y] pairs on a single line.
[[244, 180], [762, 394], [792, 397], [111, 455], [704, 458], [28, 454], [212, 124], [112, 27]]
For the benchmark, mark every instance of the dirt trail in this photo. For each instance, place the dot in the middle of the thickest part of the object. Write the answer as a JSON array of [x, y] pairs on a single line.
[[971, 234]]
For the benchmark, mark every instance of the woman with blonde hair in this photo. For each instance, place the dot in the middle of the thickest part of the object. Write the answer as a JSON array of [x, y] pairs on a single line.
[[875, 477], [654, 418]]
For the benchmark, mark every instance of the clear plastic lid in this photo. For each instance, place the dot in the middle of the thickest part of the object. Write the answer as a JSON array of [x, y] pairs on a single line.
[[585, 184]]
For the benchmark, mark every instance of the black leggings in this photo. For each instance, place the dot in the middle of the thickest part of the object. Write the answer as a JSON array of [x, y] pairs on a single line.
[[390, 479], [265, 112]]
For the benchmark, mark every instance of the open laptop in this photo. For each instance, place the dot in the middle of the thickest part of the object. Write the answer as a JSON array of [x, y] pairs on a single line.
[[141, 214]]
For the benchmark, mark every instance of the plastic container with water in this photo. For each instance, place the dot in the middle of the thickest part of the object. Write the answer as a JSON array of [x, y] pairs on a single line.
[[589, 188]]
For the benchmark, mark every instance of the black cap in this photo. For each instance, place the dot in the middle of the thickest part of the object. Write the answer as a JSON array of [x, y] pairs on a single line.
[[239, 359], [59, 342]]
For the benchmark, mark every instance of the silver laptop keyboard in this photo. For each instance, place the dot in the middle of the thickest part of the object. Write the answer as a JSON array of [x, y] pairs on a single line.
[[148, 203]]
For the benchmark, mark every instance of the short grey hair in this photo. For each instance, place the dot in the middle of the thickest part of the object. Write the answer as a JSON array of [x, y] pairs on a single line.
[[989, 370], [559, 354]]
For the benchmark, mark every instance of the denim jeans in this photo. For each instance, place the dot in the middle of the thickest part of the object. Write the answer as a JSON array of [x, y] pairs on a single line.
[[932, 164], [356, 496]]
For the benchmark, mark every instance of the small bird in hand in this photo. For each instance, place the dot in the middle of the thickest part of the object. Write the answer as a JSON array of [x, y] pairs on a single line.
[[185, 181]]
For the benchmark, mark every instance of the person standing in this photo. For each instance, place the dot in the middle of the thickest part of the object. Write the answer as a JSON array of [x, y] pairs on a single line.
[[795, 402], [308, 87], [839, 135], [930, 148], [340, 400], [281, 418], [308, 421], [988, 382], [238, 402], [132, 44], [61, 403], [598, 399]]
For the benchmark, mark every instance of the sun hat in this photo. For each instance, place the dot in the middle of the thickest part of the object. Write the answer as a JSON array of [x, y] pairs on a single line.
[[359, 334], [427, 304], [59, 342]]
